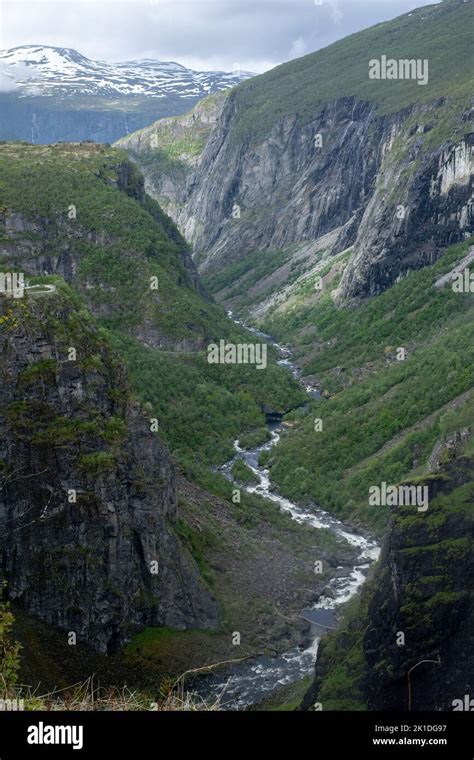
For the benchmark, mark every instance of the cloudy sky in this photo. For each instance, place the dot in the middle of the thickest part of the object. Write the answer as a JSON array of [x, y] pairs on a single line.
[[253, 35]]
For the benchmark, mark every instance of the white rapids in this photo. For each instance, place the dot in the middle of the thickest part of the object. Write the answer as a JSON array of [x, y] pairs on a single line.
[[245, 684]]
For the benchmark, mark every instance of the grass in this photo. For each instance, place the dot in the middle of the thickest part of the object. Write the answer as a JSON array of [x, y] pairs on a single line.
[[384, 416], [118, 241], [439, 33], [86, 696]]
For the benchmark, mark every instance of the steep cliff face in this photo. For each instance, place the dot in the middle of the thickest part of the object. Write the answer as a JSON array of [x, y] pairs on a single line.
[[266, 196], [407, 642], [171, 150], [87, 491], [418, 644], [82, 213], [422, 202], [316, 147]]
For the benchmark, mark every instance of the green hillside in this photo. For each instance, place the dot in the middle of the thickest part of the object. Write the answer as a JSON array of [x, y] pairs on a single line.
[[381, 416], [120, 239], [442, 34]]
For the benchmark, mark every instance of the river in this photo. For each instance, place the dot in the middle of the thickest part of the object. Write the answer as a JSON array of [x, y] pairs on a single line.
[[245, 684]]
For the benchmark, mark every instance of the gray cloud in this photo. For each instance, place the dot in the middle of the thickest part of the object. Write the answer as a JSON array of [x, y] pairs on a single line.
[[203, 34]]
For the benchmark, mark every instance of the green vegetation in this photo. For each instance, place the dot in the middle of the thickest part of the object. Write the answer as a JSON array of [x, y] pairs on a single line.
[[238, 278], [199, 543], [439, 33], [255, 438], [91, 435], [9, 649], [120, 240], [385, 415], [201, 407], [243, 474], [97, 462], [119, 237]]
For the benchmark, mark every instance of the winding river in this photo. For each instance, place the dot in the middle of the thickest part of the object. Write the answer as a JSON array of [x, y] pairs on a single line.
[[248, 683]]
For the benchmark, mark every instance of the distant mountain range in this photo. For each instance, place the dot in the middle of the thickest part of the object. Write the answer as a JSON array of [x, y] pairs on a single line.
[[49, 94]]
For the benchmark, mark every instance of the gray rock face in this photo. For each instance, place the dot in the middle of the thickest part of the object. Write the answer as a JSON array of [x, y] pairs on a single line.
[[168, 178], [422, 590], [415, 637], [372, 177], [420, 205], [87, 492], [286, 188]]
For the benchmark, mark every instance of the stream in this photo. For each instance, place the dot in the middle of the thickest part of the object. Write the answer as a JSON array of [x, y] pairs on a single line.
[[242, 685]]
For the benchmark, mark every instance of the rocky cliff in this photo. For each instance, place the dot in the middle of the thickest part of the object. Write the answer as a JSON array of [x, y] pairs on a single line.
[[406, 644], [170, 151], [422, 592], [87, 496], [83, 215], [314, 147]]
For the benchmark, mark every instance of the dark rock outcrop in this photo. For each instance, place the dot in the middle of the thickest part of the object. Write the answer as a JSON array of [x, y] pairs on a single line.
[[423, 592], [409, 645], [87, 491]]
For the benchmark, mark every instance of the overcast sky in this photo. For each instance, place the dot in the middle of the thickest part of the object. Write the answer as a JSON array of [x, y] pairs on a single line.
[[253, 35]]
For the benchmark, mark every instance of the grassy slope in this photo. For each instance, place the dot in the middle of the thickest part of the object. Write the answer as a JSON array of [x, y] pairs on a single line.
[[384, 416], [440, 33], [41, 182], [201, 408], [122, 243]]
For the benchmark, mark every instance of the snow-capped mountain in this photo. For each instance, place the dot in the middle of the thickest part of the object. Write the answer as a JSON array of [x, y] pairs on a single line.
[[40, 87], [40, 70]]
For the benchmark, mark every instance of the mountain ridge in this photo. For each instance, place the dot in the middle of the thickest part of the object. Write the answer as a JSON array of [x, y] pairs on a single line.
[[39, 67], [286, 163], [50, 94]]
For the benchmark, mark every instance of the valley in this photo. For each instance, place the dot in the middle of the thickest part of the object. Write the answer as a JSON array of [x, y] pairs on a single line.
[[245, 685], [240, 371]]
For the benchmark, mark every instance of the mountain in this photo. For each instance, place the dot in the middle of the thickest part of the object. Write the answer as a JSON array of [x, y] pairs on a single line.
[[112, 495], [49, 94], [334, 212], [92, 548], [314, 157]]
